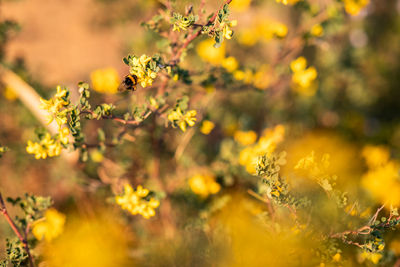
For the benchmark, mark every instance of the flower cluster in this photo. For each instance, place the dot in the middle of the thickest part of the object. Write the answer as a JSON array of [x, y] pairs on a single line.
[[353, 7], [58, 108], [105, 80], [50, 227], [47, 146], [382, 177], [263, 29], [266, 144], [181, 119], [140, 67], [136, 202], [303, 78], [204, 185]]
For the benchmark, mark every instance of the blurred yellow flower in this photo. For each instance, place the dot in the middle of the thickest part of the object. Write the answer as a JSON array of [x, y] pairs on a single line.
[[303, 78], [375, 156], [230, 64], [105, 80], [209, 53], [100, 241], [204, 185], [240, 5], [383, 183], [317, 30], [372, 256], [288, 2], [49, 228], [245, 138], [136, 203], [353, 7], [206, 127], [9, 93], [266, 144]]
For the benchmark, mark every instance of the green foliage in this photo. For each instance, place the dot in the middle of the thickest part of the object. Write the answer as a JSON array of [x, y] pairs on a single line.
[[16, 255]]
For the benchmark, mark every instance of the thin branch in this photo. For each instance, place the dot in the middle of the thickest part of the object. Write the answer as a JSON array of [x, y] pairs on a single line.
[[23, 239]]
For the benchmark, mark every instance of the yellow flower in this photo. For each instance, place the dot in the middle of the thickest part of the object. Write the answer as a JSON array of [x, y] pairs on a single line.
[[336, 257], [230, 64], [105, 80], [248, 37], [51, 227], [141, 69], [136, 203], [375, 156], [303, 78], [209, 53], [63, 135], [298, 64], [383, 183], [9, 93], [245, 138], [206, 127], [317, 30], [266, 145], [204, 185], [177, 118], [353, 7], [226, 29], [240, 5], [288, 2], [46, 147]]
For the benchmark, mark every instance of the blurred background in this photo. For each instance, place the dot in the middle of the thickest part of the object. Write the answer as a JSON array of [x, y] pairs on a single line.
[[352, 105]]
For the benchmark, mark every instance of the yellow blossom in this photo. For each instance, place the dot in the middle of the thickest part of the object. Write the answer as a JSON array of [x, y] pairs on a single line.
[[51, 227], [288, 2], [206, 127], [9, 93], [372, 256], [337, 257], [209, 53], [204, 185], [353, 7], [230, 64], [178, 118], [240, 5], [46, 147], [317, 30], [266, 144], [298, 64], [383, 183], [136, 203], [245, 138], [141, 69], [226, 29], [303, 78], [375, 156], [105, 80]]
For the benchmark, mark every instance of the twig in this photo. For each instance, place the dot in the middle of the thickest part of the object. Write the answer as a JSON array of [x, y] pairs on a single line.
[[176, 58], [22, 238]]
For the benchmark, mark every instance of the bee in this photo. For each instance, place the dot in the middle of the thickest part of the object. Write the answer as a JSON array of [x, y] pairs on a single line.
[[129, 83]]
